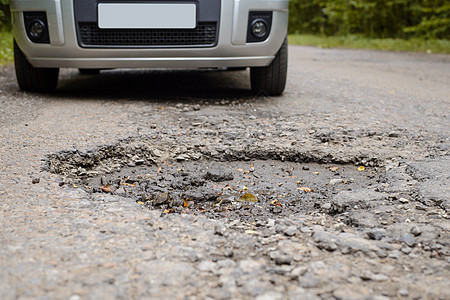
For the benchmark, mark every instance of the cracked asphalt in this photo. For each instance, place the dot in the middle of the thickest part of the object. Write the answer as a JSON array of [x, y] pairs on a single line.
[[105, 184]]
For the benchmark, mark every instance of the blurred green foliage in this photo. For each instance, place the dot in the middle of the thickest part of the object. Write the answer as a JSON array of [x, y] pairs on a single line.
[[428, 19], [6, 47], [5, 15]]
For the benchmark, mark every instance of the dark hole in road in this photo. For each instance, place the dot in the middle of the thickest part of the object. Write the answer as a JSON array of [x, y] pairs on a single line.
[[247, 190]]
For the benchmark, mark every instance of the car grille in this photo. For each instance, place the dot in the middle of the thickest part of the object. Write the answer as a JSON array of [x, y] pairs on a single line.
[[204, 35]]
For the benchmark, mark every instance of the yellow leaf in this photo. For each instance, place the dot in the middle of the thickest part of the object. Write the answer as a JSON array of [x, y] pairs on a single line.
[[249, 197], [245, 188], [185, 204], [361, 168], [305, 189], [106, 188], [140, 203]]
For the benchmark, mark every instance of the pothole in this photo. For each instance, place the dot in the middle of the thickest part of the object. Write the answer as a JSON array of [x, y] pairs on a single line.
[[248, 190], [256, 188]]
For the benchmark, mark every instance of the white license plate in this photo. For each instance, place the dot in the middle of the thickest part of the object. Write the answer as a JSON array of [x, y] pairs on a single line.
[[147, 15]]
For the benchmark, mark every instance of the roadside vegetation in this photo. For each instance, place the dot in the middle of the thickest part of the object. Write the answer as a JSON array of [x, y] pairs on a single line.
[[6, 47], [394, 25], [358, 42]]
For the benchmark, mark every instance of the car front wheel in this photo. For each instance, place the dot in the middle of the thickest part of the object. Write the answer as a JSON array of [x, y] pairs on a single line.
[[271, 80], [33, 79]]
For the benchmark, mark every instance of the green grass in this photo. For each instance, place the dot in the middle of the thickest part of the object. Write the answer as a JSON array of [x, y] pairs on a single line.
[[357, 42], [6, 47]]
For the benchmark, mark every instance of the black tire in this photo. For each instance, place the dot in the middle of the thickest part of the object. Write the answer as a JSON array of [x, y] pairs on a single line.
[[33, 79], [271, 80], [89, 71]]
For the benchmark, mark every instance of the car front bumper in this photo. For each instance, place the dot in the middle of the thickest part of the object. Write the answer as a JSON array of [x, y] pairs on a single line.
[[231, 50]]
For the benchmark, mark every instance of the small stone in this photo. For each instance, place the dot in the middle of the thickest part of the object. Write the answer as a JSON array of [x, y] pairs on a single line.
[[379, 277], [35, 180], [326, 206], [366, 276], [395, 254], [290, 231], [280, 258], [161, 198], [220, 229], [406, 250], [305, 229], [335, 181], [218, 175], [81, 171], [182, 157], [408, 239], [403, 200], [403, 292], [324, 241], [416, 231], [157, 153], [394, 134], [376, 233], [298, 272]]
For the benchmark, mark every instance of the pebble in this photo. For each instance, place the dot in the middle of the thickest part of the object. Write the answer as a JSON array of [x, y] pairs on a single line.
[[376, 233], [35, 180], [336, 181], [416, 231], [394, 134], [298, 272], [403, 292], [408, 239], [406, 250], [220, 229], [290, 231], [280, 258]]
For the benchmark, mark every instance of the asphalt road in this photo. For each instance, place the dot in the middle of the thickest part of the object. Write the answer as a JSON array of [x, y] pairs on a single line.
[[385, 237]]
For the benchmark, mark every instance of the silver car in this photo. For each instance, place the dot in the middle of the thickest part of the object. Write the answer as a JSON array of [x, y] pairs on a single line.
[[102, 34]]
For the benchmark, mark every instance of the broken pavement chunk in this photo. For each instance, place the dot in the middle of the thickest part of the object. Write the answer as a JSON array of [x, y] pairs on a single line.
[[218, 175]]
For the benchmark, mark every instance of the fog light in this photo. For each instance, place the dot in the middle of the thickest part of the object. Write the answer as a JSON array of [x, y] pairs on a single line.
[[37, 29], [259, 28], [36, 26]]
